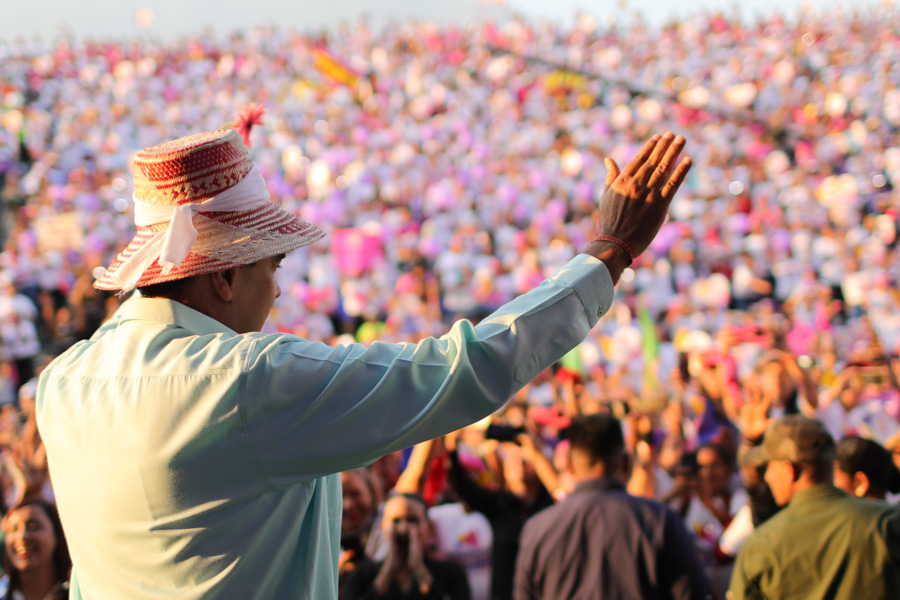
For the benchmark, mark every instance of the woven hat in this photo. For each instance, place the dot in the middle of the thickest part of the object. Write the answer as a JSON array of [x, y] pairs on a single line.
[[201, 206]]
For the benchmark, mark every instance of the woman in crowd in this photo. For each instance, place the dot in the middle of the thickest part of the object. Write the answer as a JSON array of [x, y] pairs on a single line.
[[358, 516], [35, 558], [865, 469]]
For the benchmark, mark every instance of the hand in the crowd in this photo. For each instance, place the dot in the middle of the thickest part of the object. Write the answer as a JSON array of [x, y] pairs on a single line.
[[346, 561], [530, 440], [529, 450], [637, 198], [683, 484], [451, 439], [32, 461], [416, 561], [840, 383], [643, 454], [397, 556], [26, 466], [415, 554], [845, 378], [394, 563], [9, 433], [755, 412], [405, 555]]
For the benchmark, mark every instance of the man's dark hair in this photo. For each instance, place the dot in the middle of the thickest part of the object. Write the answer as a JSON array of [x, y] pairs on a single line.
[[166, 289], [804, 442], [174, 288], [599, 435], [821, 471], [855, 454]]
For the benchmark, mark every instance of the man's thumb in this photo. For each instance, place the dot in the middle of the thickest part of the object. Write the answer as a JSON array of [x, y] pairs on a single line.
[[612, 170]]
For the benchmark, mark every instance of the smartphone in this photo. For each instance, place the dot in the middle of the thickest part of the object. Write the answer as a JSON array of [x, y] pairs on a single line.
[[503, 433]]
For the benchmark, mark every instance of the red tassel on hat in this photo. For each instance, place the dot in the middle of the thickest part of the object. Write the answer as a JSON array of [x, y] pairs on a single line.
[[249, 116]]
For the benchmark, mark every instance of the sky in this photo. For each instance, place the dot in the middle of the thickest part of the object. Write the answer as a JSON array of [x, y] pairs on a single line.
[[170, 18]]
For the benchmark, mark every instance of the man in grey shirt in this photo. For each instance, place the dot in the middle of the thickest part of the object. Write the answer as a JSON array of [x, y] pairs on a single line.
[[601, 542]]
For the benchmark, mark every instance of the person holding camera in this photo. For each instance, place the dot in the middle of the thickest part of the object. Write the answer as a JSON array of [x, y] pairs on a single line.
[[407, 572], [506, 509]]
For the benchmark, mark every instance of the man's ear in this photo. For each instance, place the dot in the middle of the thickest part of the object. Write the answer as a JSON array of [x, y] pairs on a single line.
[[796, 470], [860, 484], [223, 284], [570, 466]]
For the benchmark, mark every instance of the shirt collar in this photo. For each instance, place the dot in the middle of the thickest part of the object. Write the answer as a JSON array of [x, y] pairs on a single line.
[[163, 310], [600, 483], [819, 490]]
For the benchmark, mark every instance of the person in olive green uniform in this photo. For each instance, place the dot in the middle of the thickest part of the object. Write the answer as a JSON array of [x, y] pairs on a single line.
[[824, 544]]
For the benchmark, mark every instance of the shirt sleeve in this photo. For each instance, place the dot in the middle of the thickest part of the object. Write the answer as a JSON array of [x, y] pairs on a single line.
[[311, 409], [889, 528]]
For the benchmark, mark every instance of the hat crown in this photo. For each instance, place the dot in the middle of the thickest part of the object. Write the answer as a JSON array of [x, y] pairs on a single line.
[[191, 169], [238, 227], [798, 438]]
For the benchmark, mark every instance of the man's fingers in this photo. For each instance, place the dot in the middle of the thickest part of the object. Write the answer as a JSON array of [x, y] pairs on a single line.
[[677, 178], [651, 164], [632, 167], [664, 167], [612, 171]]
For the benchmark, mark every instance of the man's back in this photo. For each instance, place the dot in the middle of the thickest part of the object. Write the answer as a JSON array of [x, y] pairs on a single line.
[[603, 543], [153, 466], [824, 544], [190, 461]]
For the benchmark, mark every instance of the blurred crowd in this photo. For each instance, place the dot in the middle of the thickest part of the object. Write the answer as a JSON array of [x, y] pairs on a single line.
[[456, 167]]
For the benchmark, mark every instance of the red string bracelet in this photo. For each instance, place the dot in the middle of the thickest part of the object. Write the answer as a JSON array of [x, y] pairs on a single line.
[[617, 242]]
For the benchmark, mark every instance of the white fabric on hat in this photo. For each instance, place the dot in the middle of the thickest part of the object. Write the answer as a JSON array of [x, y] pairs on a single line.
[[172, 245]]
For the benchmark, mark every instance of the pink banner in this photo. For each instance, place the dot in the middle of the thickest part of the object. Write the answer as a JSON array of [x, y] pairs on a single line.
[[355, 251]]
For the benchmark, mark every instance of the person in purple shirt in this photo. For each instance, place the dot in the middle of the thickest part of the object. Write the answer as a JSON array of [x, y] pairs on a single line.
[[601, 542]]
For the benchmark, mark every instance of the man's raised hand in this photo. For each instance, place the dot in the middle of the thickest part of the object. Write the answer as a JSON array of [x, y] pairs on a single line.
[[636, 200]]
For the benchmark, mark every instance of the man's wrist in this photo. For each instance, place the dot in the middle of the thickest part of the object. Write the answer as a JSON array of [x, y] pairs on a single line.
[[613, 256]]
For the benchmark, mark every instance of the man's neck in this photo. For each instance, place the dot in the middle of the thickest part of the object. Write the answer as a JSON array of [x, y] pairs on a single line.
[[805, 483], [593, 475], [587, 472]]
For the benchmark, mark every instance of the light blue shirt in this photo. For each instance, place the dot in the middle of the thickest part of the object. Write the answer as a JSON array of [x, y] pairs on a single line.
[[189, 461]]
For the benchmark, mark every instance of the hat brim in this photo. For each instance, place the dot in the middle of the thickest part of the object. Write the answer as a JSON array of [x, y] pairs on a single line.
[[754, 456], [224, 240]]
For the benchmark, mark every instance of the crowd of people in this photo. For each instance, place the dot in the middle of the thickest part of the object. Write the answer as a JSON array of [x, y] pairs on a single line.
[[455, 168]]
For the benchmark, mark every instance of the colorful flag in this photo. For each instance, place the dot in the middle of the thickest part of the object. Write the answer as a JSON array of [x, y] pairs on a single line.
[[564, 82], [335, 69], [649, 350]]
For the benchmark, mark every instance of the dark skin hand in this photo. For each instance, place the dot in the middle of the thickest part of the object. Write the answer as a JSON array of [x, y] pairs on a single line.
[[636, 200]]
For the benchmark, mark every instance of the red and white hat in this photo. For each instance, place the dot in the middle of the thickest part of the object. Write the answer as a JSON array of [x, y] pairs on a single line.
[[201, 206]]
